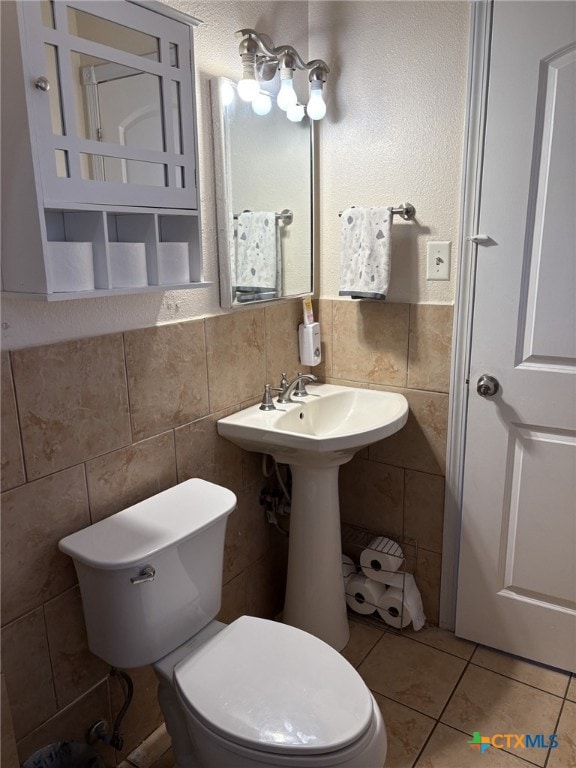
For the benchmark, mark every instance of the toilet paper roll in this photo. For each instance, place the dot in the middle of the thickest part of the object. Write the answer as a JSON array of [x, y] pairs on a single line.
[[410, 608], [363, 594], [128, 265], [348, 568], [392, 609], [382, 557], [69, 267]]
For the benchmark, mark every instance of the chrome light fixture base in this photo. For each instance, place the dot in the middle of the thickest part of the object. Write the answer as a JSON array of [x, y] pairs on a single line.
[[269, 59]]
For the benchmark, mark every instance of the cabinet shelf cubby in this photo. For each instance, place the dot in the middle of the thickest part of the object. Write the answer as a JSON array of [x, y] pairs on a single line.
[[96, 253]]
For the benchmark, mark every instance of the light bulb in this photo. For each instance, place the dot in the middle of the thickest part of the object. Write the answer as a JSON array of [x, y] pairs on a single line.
[[287, 95], [248, 89], [295, 113], [262, 104], [316, 107]]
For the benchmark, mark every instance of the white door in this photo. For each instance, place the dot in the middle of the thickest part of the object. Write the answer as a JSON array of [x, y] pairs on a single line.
[[517, 570]]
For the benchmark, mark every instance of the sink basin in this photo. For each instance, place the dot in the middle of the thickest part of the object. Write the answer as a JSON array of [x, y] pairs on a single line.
[[332, 420], [315, 436]]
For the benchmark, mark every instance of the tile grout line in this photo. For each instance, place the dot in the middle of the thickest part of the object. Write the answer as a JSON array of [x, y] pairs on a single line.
[[407, 706], [513, 754], [368, 653], [205, 335], [410, 310], [425, 744], [127, 383], [398, 633], [556, 728], [515, 680], [48, 648], [459, 730], [25, 468]]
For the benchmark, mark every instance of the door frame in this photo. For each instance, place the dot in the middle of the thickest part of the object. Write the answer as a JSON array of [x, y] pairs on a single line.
[[481, 15]]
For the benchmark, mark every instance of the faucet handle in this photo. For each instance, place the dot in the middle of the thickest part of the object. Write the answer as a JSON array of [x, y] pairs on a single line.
[[267, 403], [284, 382]]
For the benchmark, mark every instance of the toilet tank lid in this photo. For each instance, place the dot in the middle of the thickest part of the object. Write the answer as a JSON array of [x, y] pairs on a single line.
[[133, 535]]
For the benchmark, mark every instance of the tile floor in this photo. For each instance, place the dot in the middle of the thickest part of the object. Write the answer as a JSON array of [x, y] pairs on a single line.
[[435, 691]]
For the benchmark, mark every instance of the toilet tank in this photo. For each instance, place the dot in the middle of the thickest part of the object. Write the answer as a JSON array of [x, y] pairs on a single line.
[[151, 575]]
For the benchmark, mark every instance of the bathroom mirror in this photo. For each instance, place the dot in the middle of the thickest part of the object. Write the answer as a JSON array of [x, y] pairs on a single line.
[[264, 181]]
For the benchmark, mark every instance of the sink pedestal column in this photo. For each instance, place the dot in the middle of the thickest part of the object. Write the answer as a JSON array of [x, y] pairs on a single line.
[[315, 599]]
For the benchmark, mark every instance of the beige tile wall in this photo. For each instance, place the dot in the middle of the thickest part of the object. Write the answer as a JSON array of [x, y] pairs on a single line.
[[88, 428], [92, 426], [397, 485]]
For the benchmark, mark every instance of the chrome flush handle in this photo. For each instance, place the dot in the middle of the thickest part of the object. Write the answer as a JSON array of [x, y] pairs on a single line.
[[146, 574]]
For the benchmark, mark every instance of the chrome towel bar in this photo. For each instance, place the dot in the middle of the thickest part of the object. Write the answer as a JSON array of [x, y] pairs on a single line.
[[406, 211], [286, 216]]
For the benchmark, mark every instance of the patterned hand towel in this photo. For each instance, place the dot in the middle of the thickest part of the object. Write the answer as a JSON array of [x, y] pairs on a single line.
[[257, 251], [365, 254]]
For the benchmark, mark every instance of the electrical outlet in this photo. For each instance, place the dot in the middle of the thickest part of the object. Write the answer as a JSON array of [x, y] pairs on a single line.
[[438, 261]]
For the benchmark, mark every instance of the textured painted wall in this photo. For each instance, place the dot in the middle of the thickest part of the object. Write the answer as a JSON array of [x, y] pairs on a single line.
[[394, 129], [393, 133]]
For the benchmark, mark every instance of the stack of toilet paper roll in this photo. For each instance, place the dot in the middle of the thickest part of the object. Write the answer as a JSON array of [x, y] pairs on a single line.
[[382, 587]]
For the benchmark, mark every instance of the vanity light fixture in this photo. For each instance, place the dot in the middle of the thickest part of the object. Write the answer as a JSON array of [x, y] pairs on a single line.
[[260, 62]]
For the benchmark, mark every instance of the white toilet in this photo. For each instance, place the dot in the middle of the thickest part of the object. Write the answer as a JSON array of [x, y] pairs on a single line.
[[255, 693]]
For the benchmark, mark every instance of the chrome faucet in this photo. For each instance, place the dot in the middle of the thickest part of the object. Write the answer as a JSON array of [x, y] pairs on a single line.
[[296, 387]]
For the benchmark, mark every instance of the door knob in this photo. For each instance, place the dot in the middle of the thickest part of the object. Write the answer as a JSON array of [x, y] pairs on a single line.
[[42, 83], [487, 386]]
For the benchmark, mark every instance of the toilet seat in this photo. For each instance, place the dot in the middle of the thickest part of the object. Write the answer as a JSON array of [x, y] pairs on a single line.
[[275, 689]]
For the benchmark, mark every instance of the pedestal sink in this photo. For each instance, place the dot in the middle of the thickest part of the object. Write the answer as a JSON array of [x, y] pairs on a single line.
[[315, 436]]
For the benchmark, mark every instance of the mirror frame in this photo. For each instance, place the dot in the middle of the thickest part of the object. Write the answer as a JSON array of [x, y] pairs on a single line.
[[225, 213]]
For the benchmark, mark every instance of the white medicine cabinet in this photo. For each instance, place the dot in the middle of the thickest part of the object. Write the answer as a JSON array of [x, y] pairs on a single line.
[[99, 147]]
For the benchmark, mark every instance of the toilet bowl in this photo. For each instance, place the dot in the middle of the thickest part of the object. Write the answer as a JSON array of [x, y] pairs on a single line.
[[260, 693], [254, 693]]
